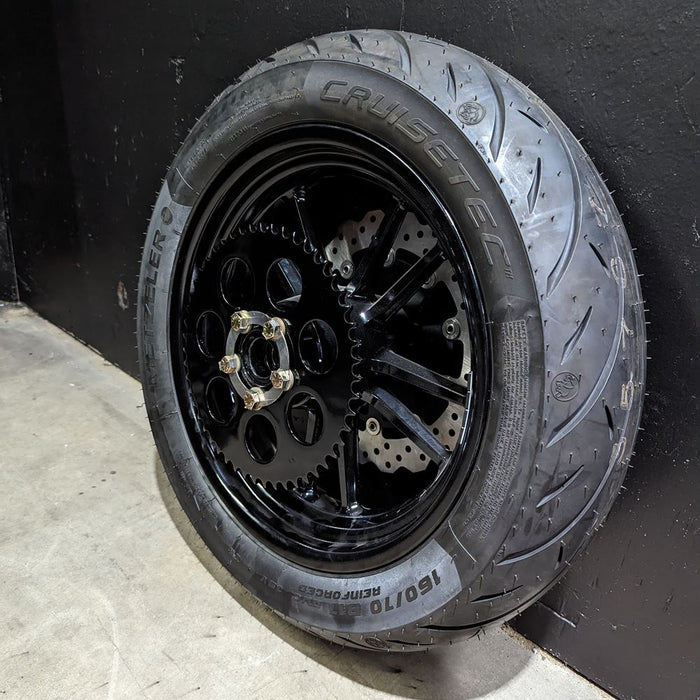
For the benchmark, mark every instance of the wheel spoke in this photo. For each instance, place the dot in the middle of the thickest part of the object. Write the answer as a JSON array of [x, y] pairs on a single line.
[[302, 206], [394, 365], [378, 251], [348, 467], [396, 412], [404, 288]]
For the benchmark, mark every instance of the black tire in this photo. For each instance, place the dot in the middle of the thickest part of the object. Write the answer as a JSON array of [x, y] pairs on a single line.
[[558, 334]]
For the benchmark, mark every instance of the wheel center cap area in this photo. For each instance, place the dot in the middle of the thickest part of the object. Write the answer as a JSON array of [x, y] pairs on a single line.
[[258, 358]]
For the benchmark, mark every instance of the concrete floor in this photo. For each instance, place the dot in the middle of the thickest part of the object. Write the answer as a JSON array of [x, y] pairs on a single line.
[[107, 591]]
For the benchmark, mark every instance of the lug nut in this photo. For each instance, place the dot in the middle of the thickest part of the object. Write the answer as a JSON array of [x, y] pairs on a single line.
[[230, 364], [346, 269], [254, 398], [282, 379], [273, 329], [240, 321], [451, 329], [372, 426]]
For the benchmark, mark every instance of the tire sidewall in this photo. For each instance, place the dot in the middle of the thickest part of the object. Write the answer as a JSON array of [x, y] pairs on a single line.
[[466, 543]]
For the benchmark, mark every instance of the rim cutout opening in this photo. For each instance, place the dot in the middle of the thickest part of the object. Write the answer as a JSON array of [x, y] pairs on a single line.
[[318, 346], [305, 419], [211, 334], [236, 282], [260, 439], [220, 400], [284, 286]]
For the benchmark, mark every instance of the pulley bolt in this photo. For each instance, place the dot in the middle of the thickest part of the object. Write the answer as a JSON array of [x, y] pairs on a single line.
[[282, 379], [451, 329], [254, 398], [372, 426], [273, 329], [240, 321], [346, 269], [230, 364]]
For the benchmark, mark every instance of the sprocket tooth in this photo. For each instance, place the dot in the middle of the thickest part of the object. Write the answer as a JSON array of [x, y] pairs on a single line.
[[349, 419]]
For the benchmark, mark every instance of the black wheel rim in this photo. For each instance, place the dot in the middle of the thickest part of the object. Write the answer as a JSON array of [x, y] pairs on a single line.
[[334, 234]]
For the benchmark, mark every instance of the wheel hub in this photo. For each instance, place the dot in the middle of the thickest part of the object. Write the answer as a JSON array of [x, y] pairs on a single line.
[[259, 353]]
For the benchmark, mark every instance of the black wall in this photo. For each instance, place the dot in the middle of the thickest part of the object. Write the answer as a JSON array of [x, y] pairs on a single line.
[[98, 96], [8, 275]]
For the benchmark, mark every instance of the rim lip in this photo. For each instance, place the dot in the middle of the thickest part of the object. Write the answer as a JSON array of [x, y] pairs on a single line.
[[194, 236]]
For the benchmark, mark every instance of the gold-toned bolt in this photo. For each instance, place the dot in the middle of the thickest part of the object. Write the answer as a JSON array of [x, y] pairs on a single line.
[[230, 364], [273, 329], [282, 379], [240, 321], [253, 399]]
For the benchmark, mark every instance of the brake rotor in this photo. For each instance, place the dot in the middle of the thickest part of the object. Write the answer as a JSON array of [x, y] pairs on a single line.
[[383, 447]]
